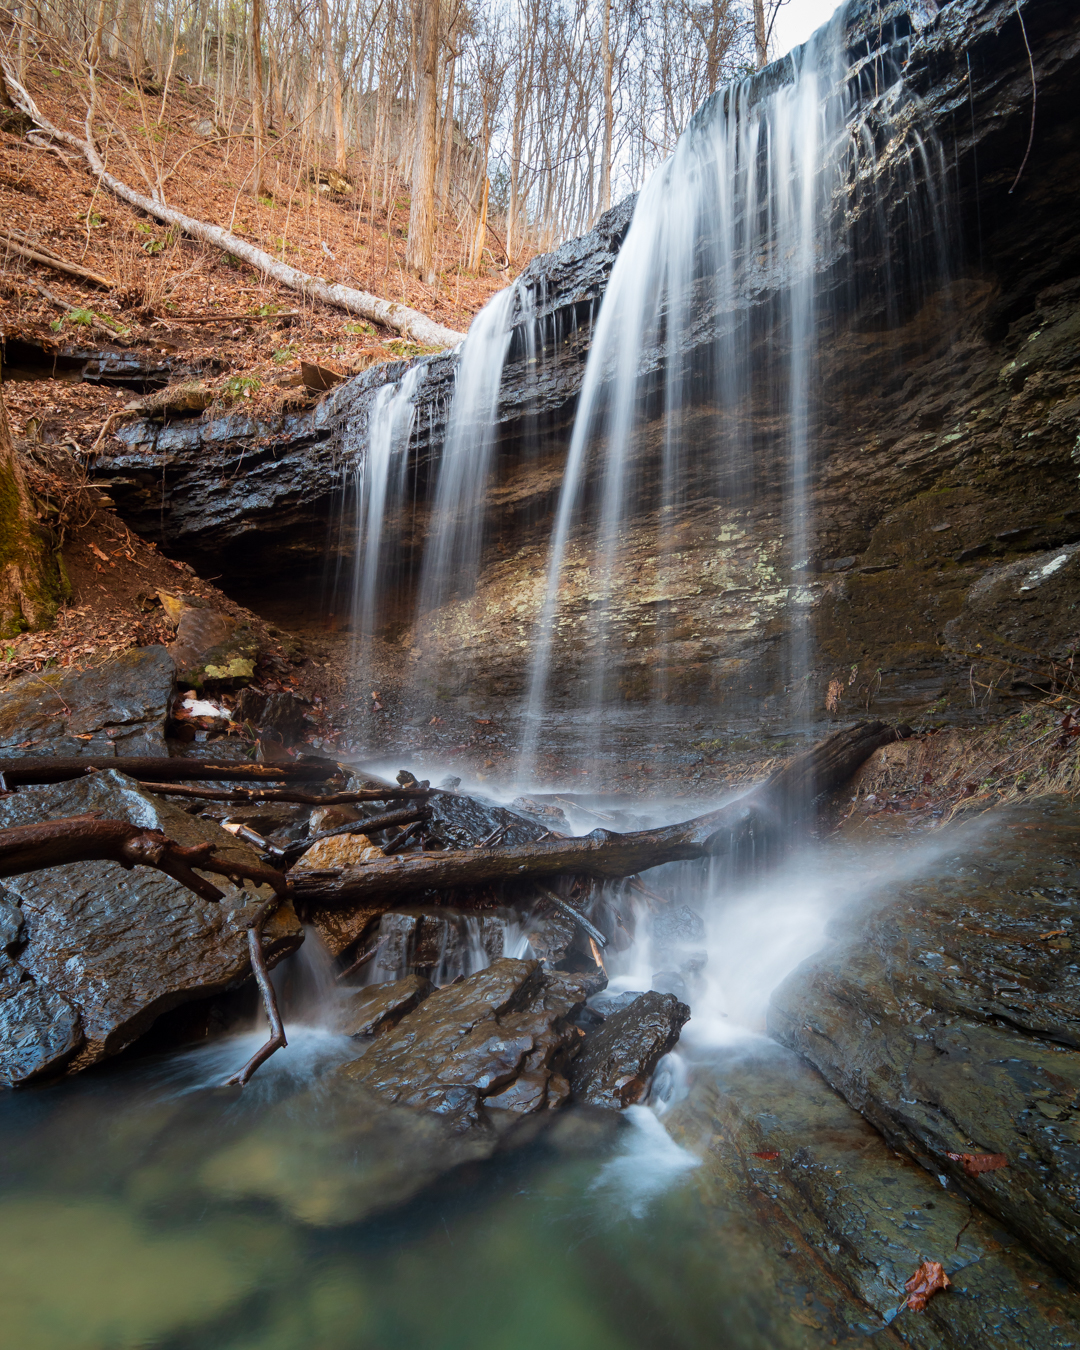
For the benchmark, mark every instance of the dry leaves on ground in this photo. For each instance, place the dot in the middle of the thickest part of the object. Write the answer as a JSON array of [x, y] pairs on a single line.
[[928, 1280]]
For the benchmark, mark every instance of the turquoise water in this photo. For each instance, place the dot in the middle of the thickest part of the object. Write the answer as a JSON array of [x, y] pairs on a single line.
[[122, 1225]]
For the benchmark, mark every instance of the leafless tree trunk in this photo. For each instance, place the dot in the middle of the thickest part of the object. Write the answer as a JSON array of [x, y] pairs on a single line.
[[420, 252], [30, 583], [258, 119], [609, 111], [760, 41], [333, 74]]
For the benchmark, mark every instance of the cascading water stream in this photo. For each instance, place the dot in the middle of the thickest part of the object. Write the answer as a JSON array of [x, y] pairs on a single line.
[[753, 204]]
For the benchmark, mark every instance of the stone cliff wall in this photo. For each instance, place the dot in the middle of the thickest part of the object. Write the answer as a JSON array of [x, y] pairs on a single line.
[[944, 493]]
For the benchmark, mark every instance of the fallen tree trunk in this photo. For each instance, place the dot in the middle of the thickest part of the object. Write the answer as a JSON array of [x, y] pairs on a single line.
[[409, 322], [25, 769], [766, 811], [290, 794], [87, 838]]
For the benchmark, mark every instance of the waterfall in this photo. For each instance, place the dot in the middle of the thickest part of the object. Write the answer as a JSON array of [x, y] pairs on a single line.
[[754, 203], [381, 483]]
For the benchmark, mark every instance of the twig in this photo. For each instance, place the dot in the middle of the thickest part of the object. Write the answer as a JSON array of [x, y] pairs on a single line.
[[373, 823], [57, 264], [369, 955], [277, 1039], [574, 914], [1034, 93]]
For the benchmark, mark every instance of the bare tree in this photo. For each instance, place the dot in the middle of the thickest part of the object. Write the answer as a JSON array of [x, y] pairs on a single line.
[[419, 255]]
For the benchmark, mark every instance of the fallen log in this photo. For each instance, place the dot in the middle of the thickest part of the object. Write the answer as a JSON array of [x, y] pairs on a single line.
[[18, 771], [765, 812], [239, 795], [88, 838], [410, 323]]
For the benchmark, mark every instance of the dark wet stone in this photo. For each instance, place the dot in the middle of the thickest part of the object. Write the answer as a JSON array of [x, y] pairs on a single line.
[[677, 926], [39, 1029], [617, 1060], [608, 1003], [11, 919], [118, 708], [947, 1010], [671, 982], [500, 1037], [839, 1221], [123, 947], [281, 714], [377, 1007]]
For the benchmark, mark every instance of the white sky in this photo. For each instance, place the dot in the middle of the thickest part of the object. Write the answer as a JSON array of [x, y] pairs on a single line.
[[795, 22]]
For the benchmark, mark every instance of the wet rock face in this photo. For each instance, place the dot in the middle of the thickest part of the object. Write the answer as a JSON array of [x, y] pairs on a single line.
[[836, 1221], [498, 1039], [948, 1012], [102, 952], [116, 708], [377, 1007], [617, 1060]]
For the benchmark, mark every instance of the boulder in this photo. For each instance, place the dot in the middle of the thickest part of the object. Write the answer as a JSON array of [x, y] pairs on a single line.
[[119, 707], [210, 645], [499, 1039], [617, 1061], [441, 942], [947, 1010], [107, 951]]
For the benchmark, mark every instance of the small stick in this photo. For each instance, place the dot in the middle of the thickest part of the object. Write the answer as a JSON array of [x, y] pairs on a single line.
[[232, 318], [57, 264], [373, 823], [277, 1039], [572, 913], [369, 955]]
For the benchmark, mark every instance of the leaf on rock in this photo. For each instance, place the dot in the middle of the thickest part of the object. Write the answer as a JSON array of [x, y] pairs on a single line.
[[924, 1284], [768, 1157], [976, 1163]]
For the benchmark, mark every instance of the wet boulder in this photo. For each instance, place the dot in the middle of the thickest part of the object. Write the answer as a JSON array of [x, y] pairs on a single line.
[[210, 645], [377, 1007], [106, 951], [116, 708], [947, 1010], [499, 1039], [441, 942], [617, 1060]]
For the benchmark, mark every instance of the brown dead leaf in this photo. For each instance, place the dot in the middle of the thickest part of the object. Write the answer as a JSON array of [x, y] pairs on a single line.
[[924, 1284], [806, 1319], [768, 1157], [976, 1163], [98, 553]]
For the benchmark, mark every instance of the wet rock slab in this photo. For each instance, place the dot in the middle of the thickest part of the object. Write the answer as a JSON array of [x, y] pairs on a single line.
[[377, 1007], [947, 1010], [101, 951], [836, 1221], [116, 708], [499, 1039]]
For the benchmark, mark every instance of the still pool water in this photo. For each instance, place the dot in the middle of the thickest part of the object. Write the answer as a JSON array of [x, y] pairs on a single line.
[[117, 1230]]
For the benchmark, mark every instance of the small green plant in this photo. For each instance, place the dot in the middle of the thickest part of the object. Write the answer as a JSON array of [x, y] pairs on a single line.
[[360, 329], [83, 317], [152, 245], [284, 355], [401, 348], [92, 219], [266, 201], [241, 386], [56, 325], [267, 311]]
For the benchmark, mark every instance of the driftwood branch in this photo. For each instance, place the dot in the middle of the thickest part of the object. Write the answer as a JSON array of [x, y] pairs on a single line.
[[61, 768], [50, 260], [386, 821], [766, 812], [239, 795], [87, 838], [277, 1039], [409, 322]]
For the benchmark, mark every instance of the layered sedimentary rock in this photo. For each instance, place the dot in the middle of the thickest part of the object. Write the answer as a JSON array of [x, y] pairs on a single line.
[[944, 412]]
